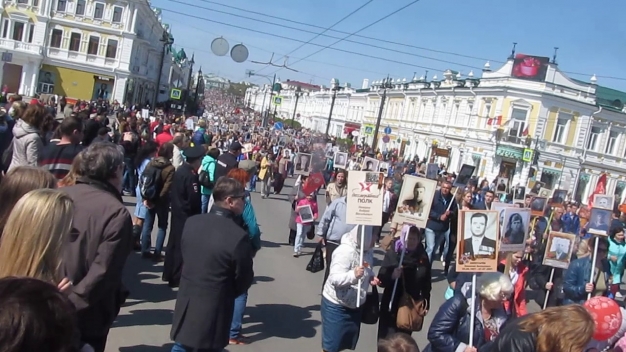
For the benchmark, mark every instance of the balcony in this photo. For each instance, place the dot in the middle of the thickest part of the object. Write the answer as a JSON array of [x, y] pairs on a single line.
[[81, 58], [14, 45]]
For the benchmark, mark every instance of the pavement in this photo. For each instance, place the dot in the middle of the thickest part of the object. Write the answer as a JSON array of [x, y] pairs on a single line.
[[283, 305]]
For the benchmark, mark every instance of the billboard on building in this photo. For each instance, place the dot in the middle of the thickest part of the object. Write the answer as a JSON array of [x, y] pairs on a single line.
[[530, 67]]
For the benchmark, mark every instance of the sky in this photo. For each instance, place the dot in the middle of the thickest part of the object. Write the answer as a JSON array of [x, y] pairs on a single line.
[[432, 35]]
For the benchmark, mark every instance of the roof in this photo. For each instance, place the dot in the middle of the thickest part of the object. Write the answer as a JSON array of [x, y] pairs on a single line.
[[610, 98], [303, 85]]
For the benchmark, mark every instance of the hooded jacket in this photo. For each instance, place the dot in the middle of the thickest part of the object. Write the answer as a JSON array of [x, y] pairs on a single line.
[[167, 174], [208, 165], [27, 145]]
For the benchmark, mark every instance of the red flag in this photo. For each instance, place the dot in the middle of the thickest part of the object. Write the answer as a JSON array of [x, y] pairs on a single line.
[[313, 183], [600, 189], [525, 132], [489, 121]]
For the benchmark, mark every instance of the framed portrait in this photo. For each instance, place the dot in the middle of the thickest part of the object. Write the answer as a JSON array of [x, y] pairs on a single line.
[[340, 160], [519, 193], [599, 221], [303, 163], [514, 230], [559, 248], [603, 201], [414, 200], [558, 197], [502, 185], [432, 171], [477, 241], [545, 193], [306, 214], [369, 164], [538, 206], [383, 167], [534, 187], [464, 176], [364, 201]]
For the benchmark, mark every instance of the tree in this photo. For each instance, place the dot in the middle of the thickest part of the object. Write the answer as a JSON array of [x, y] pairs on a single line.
[[237, 89]]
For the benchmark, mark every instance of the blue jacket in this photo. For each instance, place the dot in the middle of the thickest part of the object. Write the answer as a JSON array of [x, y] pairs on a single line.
[[449, 330], [437, 209], [249, 218], [577, 276], [571, 223]]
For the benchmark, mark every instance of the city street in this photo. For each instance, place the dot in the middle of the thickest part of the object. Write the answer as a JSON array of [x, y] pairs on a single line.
[[283, 305]]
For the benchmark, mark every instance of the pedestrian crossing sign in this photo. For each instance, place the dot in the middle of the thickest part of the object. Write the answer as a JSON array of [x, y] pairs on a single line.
[[278, 100], [176, 94], [528, 155]]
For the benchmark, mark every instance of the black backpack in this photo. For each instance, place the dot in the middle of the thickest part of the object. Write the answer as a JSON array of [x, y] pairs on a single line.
[[150, 183]]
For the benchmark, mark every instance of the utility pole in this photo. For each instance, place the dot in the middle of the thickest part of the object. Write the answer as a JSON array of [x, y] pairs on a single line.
[[298, 94], [385, 84], [335, 88]]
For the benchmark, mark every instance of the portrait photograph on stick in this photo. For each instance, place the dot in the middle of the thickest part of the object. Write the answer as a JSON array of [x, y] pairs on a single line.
[[558, 197], [306, 214], [341, 160], [415, 200], [545, 193], [534, 187], [464, 176], [369, 164], [559, 248], [520, 192], [432, 171], [538, 206], [303, 162], [502, 185], [515, 228], [603, 201], [477, 241], [599, 221]]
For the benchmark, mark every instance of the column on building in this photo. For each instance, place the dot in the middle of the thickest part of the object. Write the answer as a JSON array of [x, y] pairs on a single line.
[[34, 75]]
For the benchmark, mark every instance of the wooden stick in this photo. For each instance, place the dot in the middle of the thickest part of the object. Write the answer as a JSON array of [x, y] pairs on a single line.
[[545, 301], [593, 264], [472, 312], [395, 283], [362, 235]]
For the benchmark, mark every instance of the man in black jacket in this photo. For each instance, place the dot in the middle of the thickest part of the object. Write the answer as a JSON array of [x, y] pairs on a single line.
[[438, 226], [218, 268], [228, 161]]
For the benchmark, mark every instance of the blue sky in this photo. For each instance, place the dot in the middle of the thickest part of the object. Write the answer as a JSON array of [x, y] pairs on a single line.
[[591, 36]]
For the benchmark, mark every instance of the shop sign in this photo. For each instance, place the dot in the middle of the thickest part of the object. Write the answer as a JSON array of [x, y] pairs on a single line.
[[509, 152], [528, 155]]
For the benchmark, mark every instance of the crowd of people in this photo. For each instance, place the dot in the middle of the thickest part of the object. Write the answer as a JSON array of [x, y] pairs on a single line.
[[66, 234]]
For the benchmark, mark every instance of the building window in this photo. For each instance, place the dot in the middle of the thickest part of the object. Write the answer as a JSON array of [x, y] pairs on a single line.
[[22, 2], [61, 5], [561, 128], [517, 124], [5, 28], [31, 32], [55, 38], [75, 42], [80, 7], [117, 14], [611, 143], [111, 49], [18, 31], [92, 47], [98, 13], [594, 135]]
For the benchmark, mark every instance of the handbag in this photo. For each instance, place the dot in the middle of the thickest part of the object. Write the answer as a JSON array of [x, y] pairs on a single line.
[[311, 233], [317, 260], [411, 312], [371, 308], [205, 180]]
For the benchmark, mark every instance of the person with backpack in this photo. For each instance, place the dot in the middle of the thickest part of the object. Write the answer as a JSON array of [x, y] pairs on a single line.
[[206, 175], [155, 184], [199, 136], [144, 156]]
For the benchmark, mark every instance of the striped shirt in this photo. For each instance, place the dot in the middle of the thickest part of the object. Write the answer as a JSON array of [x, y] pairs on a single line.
[[58, 158]]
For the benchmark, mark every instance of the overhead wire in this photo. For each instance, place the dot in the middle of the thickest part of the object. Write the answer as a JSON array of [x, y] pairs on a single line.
[[375, 39], [319, 34]]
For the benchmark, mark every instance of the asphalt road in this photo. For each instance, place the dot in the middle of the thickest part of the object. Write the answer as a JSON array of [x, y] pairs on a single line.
[[283, 305]]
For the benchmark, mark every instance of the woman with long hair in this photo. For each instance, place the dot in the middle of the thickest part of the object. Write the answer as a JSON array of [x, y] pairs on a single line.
[[74, 174], [517, 270], [32, 240], [28, 136], [617, 252], [145, 154], [555, 329], [17, 183]]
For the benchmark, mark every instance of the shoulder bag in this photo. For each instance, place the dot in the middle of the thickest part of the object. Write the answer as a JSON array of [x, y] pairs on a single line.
[[371, 308], [411, 312]]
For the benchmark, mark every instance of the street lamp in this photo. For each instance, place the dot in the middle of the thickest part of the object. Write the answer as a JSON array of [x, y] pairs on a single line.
[[167, 40], [251, 73], [385, 84], [297, 94], [334, 84], [191, 63], [200, 80]]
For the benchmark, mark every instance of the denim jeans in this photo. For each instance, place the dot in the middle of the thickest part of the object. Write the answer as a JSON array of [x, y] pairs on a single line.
[[267, 187], [180, 348], [433, 242], [205, 203], [240, 308], [253, 180], [160, 210], [301, 230], [130, 179]]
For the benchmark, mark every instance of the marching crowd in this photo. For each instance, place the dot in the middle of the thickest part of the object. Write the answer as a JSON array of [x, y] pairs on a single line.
[[66, 234]]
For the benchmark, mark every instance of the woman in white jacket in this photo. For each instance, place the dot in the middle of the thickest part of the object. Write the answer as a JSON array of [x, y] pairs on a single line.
[[341, 317]]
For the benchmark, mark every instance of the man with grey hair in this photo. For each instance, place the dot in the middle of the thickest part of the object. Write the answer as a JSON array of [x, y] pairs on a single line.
[[217, 253], [100, 242]]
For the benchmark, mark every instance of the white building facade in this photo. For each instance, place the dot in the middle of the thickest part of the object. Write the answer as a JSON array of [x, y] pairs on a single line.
[[83, 49], [556, 130]]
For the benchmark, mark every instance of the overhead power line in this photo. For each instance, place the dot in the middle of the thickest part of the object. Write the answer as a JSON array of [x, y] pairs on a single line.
[[368, 37]]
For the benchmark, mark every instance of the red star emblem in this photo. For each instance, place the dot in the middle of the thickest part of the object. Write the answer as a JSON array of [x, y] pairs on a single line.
[[365, 186]]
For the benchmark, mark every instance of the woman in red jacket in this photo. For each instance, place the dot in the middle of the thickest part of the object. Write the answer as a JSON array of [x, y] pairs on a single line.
[[517, 270]]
